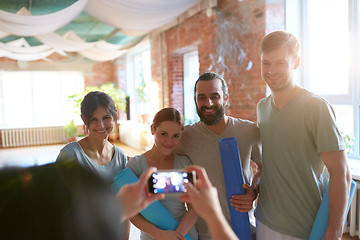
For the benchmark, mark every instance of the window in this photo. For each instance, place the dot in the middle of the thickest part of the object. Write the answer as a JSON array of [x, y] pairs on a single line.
[[191, 74], [329, 33], [139, 85], [37, 99]]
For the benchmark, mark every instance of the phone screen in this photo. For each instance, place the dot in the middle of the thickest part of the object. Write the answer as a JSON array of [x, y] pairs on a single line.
[[169, 181]]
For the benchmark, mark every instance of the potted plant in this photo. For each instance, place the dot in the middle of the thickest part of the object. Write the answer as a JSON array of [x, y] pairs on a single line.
[[349, 142], [70, 131], [117, 95]]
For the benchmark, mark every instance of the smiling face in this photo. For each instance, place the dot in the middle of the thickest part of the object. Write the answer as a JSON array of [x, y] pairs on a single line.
[[277, 68], [100, 124], [210, 101], [166, 136]]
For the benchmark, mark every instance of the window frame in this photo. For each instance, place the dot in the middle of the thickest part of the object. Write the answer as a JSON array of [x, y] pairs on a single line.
[[36, 113], [130, 78], [296, 22], [189, 80]]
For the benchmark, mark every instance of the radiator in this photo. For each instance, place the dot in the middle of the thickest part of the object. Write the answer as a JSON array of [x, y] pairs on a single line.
[[353, 218], [18, 137]]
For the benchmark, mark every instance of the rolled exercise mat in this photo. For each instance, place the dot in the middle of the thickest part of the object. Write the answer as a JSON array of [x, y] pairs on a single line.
[[155, 213], [234, 179], [322, 217]]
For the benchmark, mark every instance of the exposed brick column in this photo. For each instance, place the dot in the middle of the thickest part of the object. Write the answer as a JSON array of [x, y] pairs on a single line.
[[176, 85], [197, 32], [159, 68], [103, 72]]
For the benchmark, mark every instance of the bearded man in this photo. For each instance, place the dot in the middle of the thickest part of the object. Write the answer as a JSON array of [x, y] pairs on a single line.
[[200, 143]]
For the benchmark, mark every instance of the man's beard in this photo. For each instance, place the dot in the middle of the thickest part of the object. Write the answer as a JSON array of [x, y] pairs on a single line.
[[211, 119]]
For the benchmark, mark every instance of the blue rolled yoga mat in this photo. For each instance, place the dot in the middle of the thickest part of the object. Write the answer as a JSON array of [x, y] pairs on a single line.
[[234, 180], [155, 213], [322, 217]]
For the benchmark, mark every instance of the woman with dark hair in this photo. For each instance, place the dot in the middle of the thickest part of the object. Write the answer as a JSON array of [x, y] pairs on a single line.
[[167, 126], [95, 152]]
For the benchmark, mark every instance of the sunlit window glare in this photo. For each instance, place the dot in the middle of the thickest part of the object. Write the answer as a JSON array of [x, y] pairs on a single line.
[[328, 31], [328, 46], [42, 99]]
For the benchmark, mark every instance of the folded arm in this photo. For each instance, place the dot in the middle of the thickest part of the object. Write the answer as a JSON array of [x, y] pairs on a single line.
[[140, 222], [187, 222]]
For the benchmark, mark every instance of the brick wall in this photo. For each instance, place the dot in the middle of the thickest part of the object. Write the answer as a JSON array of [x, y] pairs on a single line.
[[176, 83], [102, 72], [120, 72], [159, 67], [227, 39], [195, 33]]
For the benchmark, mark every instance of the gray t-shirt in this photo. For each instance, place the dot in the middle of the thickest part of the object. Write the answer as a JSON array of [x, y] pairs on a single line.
[[73, 151], [202, 147], [294, 176], [176, 208]]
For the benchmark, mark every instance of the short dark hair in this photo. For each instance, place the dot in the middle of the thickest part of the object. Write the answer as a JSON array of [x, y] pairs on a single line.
[[168, 114], [208, 76], [94, 100], [60, 200]]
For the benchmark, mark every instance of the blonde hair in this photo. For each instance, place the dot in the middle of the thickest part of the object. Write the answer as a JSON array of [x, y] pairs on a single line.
[[279, 39]]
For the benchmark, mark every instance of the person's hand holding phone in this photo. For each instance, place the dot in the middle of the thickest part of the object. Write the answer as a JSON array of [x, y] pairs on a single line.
[[204, 199], [171, 181], [203, 195], [135, 197]]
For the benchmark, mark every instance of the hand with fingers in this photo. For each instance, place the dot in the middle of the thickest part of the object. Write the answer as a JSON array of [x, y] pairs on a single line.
[[135, 197], [204, 199], [244, 203], [203, 195]]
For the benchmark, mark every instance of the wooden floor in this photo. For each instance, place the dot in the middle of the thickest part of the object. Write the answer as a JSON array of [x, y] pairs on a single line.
[[346, 236], [28, 156], [38, 155]]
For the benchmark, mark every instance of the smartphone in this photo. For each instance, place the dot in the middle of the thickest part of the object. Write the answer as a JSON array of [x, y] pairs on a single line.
[[170, 181]]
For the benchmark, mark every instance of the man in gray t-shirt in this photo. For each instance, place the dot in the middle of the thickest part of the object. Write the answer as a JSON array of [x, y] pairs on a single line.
[[300, 142], [200, 140]]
